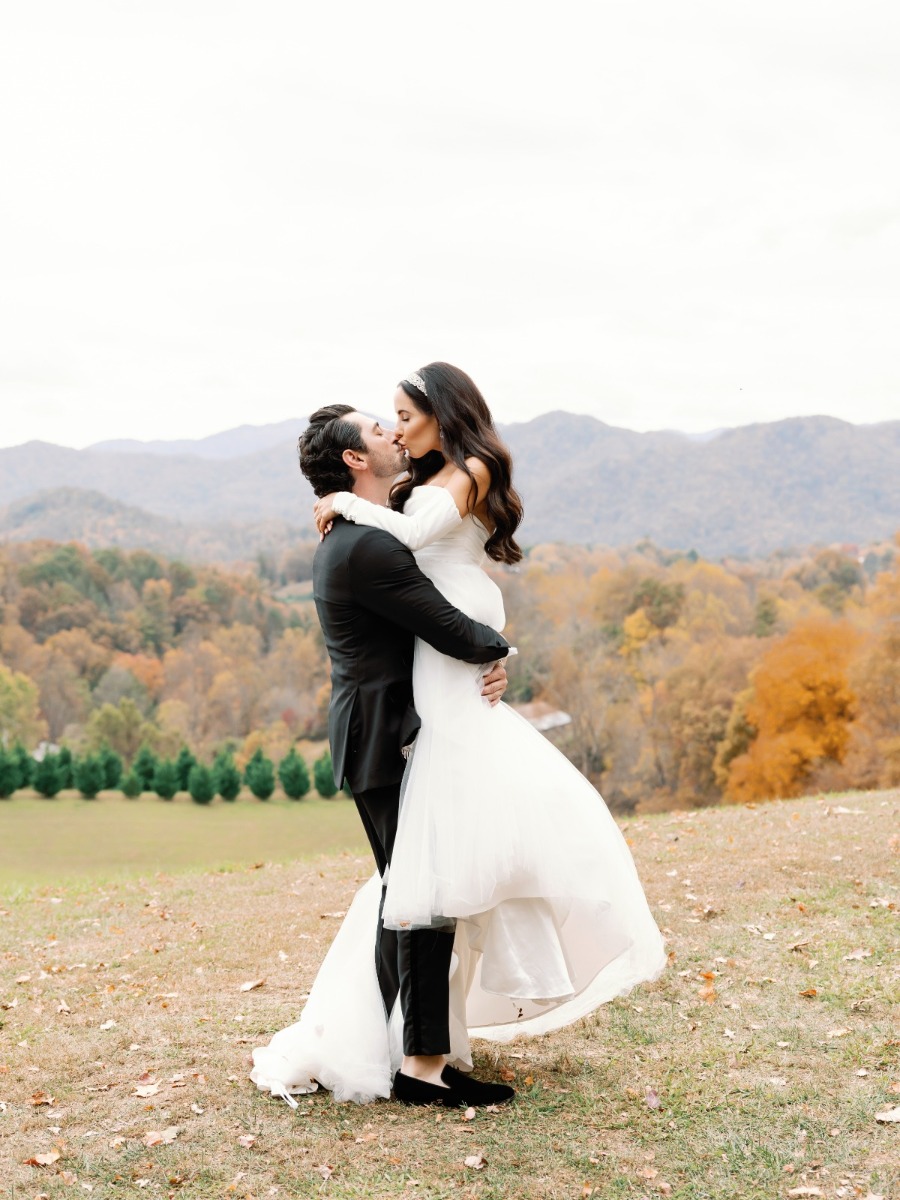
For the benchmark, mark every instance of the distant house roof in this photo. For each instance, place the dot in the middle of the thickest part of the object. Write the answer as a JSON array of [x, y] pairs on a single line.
[[543, 716]]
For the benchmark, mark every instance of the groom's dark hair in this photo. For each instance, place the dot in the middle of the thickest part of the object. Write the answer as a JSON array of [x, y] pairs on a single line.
[[322, 445]]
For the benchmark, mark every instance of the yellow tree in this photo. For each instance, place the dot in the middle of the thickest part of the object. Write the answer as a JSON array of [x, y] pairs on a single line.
[[802, 707], [20, 718]]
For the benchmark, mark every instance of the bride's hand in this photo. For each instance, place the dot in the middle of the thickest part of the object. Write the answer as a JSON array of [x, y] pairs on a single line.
[[324, 513]]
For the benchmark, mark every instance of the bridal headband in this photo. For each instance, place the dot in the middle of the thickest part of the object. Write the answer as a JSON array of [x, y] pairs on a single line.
[[417, 381]]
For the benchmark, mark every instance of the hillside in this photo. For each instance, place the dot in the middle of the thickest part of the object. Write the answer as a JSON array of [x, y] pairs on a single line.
[[82, 515], [746, 491]]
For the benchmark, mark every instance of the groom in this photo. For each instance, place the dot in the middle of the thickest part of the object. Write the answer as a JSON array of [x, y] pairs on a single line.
[[373, 601]]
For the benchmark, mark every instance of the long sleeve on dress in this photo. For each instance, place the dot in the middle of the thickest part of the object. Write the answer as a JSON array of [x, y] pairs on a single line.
[[430, 522]]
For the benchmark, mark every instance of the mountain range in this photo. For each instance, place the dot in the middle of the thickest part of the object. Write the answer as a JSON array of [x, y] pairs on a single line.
[[746, 491]]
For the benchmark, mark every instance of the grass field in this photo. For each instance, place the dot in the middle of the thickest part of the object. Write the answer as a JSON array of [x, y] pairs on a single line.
[[69, 838], [756, 1067]]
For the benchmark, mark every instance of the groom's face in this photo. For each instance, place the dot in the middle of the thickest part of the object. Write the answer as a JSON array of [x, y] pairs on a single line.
[[386, 459]]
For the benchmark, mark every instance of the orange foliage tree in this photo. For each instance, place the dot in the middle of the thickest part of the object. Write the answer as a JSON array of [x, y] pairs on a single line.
[[801, 707]]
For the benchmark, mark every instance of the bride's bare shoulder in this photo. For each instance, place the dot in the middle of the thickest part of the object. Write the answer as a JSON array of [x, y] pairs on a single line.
[[480, 470]]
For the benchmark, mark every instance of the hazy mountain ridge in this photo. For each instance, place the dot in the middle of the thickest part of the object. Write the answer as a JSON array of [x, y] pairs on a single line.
[[78, 515], [231, 443], [748, 491]]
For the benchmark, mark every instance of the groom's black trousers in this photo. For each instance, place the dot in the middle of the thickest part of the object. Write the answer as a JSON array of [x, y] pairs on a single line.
[[412, 963]]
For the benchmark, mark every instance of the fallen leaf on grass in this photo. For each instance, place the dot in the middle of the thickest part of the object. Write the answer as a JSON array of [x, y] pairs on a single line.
[[116, 1143], [68, 1177], [337, 915], [42, 1098], [796, 947], [889, 1116], [23, 978], [163, 1137], [325, 1170], [854, 955], [195, 1108], [468, 1115], [806, 1191], [810, 992], [252, 986], [707, 993], [476, 1161], [652, 1099], [108, 1025], [147, 1089], [43, 1160], [7, 1004], [507, 1075], [246, 1140], [833, 1033]]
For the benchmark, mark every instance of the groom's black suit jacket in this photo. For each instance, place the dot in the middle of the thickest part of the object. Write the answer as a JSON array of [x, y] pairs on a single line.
[[372, 602]]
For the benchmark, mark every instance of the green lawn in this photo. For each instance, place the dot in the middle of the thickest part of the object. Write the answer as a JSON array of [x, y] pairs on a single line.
[[68, 838]]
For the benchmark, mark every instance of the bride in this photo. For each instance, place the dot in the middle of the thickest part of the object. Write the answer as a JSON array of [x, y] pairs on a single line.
[[499, 836]]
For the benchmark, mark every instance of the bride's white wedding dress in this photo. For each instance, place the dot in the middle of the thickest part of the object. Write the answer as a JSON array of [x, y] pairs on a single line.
[[498, 831]]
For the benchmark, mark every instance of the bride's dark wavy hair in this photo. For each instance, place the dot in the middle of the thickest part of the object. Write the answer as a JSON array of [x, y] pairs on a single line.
[[467, 431]]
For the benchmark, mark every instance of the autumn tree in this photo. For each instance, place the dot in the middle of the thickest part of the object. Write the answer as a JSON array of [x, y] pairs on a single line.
[[122, 727], [20, 717], [802, 708]]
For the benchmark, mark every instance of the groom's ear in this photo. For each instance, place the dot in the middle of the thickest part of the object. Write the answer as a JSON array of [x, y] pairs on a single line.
[[354, 460]]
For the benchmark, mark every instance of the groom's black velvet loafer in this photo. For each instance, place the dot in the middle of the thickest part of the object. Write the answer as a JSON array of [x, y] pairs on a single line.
[[461, 1091]]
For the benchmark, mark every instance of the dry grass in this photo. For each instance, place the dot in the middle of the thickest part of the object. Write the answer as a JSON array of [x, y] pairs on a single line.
[[762, 1089]]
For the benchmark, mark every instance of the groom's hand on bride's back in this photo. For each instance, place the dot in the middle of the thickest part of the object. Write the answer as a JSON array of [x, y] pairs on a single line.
[[495, 683]]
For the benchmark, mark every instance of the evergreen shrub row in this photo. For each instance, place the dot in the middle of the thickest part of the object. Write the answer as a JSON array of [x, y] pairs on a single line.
[[104, 770]]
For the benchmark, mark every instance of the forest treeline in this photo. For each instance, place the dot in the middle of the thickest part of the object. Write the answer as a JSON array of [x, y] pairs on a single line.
[[687, 681]]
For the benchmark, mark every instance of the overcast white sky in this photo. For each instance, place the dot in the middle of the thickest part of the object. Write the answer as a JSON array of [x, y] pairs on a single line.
[[669, 215]]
